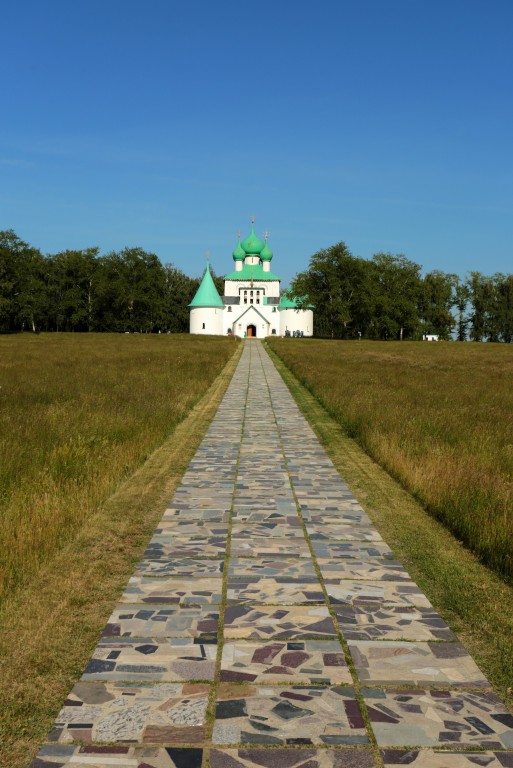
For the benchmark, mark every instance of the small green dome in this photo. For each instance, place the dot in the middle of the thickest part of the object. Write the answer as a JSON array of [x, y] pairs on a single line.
[[239, 254], [266, 254], [252, 245]]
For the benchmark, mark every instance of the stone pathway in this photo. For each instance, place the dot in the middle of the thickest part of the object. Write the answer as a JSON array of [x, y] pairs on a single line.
[[269, 625]]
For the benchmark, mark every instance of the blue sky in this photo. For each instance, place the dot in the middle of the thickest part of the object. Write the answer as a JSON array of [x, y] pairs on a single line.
[[165, 125]]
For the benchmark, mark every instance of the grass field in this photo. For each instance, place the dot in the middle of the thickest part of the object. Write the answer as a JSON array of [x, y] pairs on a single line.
[[78, 414], [437, 416]]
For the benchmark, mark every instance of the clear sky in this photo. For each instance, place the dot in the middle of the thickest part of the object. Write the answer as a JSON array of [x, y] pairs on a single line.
[[166, 124]]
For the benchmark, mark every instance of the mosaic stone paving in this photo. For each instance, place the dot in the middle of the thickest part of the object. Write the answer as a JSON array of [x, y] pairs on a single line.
[[110, 712], [91, 756], [275, 591], [278, 622], [180, 566], [264, 548], [169, 547], [432, 718], [163, 621], [191, 591], [408, 663], [306, 661], [151, 659], [290, 758], [293, 715], [431, 759], [371, 569], [377, 592], [391, 622], [289, 568]]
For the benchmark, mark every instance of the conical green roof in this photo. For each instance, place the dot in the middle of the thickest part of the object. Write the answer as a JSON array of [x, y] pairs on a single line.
[[252, 245], [207, 295], [266, 254]]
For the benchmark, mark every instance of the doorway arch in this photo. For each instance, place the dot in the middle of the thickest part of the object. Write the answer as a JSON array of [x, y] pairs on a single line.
[[251, 331]]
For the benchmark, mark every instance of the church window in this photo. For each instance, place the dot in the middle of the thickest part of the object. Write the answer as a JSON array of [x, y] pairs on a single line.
[[273, 331], [274, 309], [229, 309], [203, 326]]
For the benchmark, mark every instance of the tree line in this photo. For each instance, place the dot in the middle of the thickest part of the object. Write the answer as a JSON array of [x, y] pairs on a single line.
[[79, 290], [387, 297]]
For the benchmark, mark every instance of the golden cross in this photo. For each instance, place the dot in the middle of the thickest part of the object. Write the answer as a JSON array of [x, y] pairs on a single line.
[[207, 254]]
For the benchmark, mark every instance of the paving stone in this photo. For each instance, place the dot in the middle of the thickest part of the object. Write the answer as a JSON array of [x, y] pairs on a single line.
[[368, 568], [295, 715], [171, 547], [261, 547], [347, 592], [290, 568], [398, 663], [165, 713], [426, 718], [92, 756], [275, 591], [298, 661], [277, 622], [358, 549], [430, 758], [163, 621], [290, 758], [192, 591], [391, 622], [341, 532], [266, 530], [152, 659], [180, 566]]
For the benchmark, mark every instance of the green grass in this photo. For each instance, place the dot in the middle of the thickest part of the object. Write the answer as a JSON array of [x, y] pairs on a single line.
[[436, 416], [51, 623], [78, 414]]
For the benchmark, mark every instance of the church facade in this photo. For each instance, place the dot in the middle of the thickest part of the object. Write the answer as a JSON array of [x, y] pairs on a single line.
[[252, 305]]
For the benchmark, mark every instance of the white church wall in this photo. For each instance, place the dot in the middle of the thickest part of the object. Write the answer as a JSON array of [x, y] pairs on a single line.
[[262, 318], [206, 320], [296, 320]]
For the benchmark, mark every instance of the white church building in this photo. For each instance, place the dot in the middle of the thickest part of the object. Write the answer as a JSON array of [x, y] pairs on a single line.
[[252, 305]]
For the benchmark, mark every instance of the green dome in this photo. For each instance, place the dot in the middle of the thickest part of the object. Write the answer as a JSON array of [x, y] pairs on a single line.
[[239, 254], [252, 245], [266, 254]]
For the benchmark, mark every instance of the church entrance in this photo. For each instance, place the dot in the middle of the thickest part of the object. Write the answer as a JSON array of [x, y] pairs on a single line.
[[251, 331]]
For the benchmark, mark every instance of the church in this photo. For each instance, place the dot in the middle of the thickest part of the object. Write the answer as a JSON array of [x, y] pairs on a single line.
[[252, 305]]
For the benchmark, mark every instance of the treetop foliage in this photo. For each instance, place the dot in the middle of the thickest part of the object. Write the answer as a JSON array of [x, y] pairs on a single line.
[[387, 297], [129, 290]]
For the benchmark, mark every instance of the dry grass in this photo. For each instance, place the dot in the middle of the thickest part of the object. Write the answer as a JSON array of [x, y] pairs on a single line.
[[48, 629], [472, 599], [438, 417], [78, 414]]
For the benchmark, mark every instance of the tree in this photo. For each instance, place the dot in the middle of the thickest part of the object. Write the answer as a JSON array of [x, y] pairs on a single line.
[[178, 294], [398, 287], [23, 284], [73, 286], [436, 300], [461, 298], [339, 286]]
